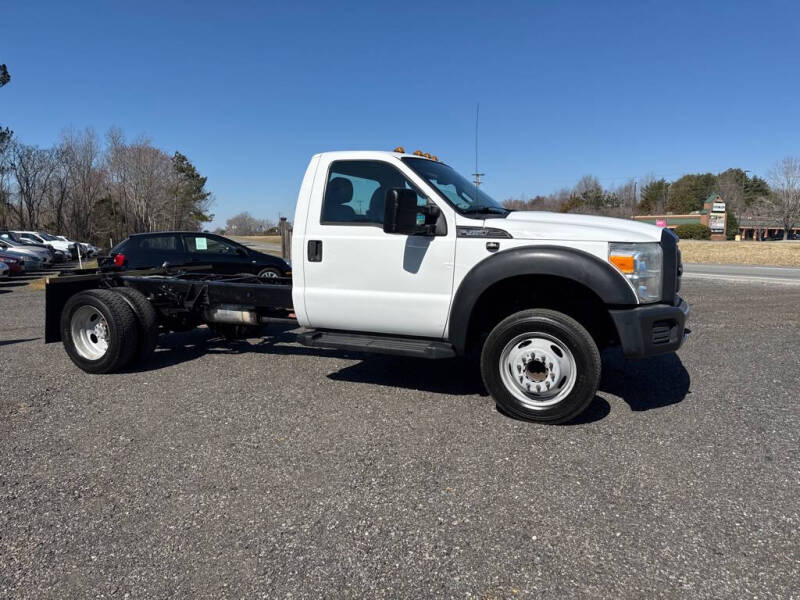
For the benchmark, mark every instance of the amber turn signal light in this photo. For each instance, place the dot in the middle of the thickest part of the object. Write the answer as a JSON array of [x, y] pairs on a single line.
[[623, 263]]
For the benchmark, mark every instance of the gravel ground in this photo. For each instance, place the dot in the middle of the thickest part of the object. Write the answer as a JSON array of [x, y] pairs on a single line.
[[264, 469]]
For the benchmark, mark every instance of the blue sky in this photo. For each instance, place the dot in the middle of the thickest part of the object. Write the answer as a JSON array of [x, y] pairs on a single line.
[[250, 90]]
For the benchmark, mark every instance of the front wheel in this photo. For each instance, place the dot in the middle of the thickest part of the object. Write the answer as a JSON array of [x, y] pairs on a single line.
[[541, 365]]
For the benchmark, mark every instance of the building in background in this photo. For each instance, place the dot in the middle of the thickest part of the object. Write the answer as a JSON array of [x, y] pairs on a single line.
[[753, 228], [712, 215]]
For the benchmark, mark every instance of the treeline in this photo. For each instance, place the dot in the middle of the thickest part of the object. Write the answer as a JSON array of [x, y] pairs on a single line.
[[246, 224], [93, 190], [776, 199]]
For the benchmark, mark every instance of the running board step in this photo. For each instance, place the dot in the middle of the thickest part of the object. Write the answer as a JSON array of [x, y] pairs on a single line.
[[379, 344]]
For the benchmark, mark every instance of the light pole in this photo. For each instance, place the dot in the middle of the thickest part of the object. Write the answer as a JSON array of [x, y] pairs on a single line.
[[740, 205]]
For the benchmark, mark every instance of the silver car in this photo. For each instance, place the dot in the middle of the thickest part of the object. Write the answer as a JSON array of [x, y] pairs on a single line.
[[41, 255]]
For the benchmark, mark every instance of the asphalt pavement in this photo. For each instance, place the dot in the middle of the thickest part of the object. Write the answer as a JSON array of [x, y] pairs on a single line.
[[743, 273], [265, 469]]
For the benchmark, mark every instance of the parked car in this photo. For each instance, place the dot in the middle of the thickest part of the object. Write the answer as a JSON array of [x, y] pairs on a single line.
[[68, 249], [19, 242], [4, 270], [86, 248], [41, 256], [60, 256], [16, 266], [149, 250]]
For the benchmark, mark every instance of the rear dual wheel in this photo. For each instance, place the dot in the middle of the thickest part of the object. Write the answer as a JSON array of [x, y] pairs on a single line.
[[104, 330], [99, 331]]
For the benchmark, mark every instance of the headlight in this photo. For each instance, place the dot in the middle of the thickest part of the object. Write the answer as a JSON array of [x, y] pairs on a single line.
[[641, 265]]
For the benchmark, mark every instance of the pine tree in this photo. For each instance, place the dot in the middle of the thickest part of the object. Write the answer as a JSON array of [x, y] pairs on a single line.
[[192, 200]]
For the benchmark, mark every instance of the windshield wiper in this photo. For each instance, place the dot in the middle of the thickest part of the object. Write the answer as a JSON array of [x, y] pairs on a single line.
[[484, 210]]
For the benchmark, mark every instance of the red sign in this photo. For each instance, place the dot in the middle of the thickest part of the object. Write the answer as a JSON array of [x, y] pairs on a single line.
[[661, 222]]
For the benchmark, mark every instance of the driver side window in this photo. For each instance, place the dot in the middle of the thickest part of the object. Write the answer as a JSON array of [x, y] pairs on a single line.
[[355, 193]]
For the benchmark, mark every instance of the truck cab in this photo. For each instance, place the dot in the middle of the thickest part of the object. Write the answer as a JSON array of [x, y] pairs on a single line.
[[396, 244]]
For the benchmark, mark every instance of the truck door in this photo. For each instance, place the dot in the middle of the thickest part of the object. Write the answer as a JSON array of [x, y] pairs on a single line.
[[358, 278]]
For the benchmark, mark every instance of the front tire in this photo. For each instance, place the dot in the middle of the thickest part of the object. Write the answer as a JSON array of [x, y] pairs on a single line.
[[541, 365], [99, 331]]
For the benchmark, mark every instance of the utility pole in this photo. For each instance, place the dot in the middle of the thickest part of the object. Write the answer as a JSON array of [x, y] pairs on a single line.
[[740, 205]]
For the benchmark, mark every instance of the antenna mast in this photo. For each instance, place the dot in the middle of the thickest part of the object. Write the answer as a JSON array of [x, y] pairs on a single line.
[[477, 174]]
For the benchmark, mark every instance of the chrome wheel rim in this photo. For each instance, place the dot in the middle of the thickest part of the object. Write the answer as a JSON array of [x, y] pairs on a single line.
[[89, 331], [269, 275], [538, 369]]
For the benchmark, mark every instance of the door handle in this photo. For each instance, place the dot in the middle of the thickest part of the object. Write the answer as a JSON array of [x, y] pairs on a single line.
[[314, 250]]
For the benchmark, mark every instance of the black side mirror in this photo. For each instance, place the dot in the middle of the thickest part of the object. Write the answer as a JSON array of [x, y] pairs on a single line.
[[401, 214]]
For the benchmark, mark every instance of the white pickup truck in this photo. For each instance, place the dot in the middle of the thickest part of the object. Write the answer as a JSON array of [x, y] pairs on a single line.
[[397, 253]]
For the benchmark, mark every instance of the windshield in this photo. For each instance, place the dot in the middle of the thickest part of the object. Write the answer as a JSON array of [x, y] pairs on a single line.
[[49, 237], [461, 193]]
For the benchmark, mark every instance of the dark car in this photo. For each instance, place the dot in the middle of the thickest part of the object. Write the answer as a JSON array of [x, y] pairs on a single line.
[[150, 250]]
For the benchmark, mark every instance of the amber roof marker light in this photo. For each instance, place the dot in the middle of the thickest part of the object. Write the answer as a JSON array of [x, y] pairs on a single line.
[[402, 150]]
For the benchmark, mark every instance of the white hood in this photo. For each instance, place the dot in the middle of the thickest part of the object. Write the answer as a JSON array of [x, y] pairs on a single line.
[[535, 225]]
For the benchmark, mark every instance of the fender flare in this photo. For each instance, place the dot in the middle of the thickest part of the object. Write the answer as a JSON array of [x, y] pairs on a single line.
[[579, 266]]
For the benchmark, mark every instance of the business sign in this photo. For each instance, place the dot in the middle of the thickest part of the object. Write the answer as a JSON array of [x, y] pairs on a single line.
[[718, 207], [716, 222], [661, 222]]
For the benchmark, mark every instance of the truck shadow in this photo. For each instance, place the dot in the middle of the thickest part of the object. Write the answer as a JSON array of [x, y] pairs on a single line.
[[643, 384]]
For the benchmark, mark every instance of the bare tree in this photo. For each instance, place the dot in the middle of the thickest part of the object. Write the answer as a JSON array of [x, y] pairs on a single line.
[[731, 185], [58, 191], [785, 199], [246, 224], [626, 193], [81, 155], [33, 169], [6, 136], [141, 183]]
